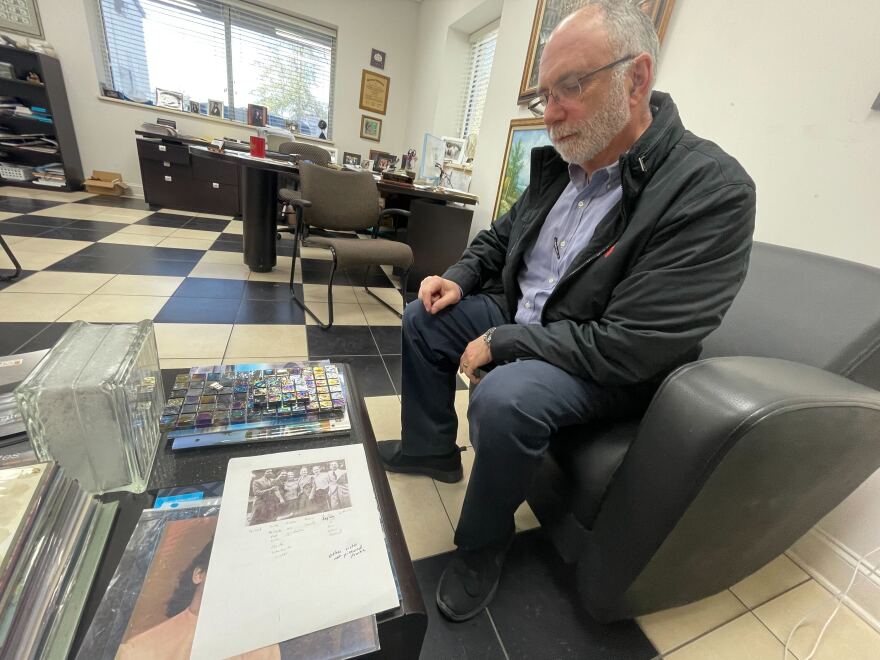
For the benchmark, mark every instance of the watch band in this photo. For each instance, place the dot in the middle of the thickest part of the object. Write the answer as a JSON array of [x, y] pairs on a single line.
[[487, 336]]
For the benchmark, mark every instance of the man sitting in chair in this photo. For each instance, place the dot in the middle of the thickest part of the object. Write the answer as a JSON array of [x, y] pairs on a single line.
[[624, 252]]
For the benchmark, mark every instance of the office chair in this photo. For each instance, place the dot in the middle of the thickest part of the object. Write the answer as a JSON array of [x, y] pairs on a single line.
[[301, 151], [339, 203]]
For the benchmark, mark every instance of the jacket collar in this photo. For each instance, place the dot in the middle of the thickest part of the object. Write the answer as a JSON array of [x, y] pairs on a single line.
[[636, 165]]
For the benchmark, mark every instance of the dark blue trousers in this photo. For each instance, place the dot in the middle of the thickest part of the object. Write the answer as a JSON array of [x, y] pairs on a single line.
[[513, 412]]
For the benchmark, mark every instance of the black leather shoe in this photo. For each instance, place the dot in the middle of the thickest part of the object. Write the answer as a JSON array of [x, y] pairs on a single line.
[[470, 581], [445, 468]]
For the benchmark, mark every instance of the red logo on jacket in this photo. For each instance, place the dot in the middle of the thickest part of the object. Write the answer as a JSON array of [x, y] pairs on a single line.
[[609, 251]]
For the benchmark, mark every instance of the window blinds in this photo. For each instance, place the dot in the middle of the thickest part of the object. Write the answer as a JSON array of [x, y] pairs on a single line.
[[221, 50], [479, 71]]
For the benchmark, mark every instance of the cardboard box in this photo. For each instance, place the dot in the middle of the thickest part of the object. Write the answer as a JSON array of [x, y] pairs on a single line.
[[106, 183]]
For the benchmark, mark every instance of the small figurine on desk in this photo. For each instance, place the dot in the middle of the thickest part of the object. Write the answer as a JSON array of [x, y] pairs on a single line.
[[33, 77], [323, 126]]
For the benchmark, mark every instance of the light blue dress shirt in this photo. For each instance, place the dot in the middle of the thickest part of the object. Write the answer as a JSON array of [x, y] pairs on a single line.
[[566, 232]]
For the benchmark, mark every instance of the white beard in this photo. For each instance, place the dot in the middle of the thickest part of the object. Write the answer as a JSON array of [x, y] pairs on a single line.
[[592, 135]]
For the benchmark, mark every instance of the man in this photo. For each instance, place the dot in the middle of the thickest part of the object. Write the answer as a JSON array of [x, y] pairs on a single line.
[[320, 496], [623, 253], [339, 498], [267, 499]]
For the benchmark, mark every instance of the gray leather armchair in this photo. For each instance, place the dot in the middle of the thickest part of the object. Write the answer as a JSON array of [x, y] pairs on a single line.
[[738, 454]]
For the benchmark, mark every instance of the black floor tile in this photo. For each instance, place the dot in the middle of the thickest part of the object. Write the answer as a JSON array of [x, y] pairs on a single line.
[[471, 639], [317, 271], [227, 246], [80, 263], [10, 228], [198, 310], [387, 338], [165, 220], [176, 254], [283, 250], [538, 613], [230, 238], [341, 340], [207, 224], [116, 202], [270, 312], [119, 252], [368, 370], [39, 221], [207, 287], [159, 267], [13, 335], [24, 205], [279, 291], [9, 271], [97, 225], [47, 338], [393, 363], [68, 234]]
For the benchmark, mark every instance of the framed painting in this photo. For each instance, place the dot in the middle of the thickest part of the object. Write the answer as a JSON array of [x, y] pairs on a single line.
[[374, 92], [522, 136], [371, 128], [549, 14]]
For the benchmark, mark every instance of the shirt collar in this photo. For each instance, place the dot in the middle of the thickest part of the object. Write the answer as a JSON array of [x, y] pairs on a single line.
[[602, 180]]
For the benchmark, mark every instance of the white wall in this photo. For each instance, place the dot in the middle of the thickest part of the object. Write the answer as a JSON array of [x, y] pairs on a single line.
[[105, 130]]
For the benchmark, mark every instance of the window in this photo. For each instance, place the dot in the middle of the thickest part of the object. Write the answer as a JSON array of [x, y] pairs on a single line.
[[479, 70], [221, 50]]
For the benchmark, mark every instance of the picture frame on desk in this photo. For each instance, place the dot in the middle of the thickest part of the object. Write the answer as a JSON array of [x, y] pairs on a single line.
[[257, 115], [371, 128], [382, 160], [349, 158]]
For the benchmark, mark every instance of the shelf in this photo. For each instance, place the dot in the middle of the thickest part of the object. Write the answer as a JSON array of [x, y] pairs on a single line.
[[26, 83], [35, 186]]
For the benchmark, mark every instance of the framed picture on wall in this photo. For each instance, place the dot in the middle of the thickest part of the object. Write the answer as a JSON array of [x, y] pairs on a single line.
[[522, 136], [374, 92], [549, 14], [371, 128]]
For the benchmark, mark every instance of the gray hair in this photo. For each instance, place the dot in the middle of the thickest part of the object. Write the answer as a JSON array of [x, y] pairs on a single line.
[[630, 30]]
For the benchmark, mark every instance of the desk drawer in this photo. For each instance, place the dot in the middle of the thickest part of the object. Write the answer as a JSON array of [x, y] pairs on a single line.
[[214, 170], [215, 197], [159, 170], [172, 153]]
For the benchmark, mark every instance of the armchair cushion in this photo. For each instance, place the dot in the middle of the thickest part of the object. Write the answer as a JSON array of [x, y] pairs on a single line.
[[354, 252]]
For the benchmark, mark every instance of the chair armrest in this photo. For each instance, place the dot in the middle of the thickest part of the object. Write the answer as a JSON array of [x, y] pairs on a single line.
[[299, 203], [735, 459], [401, 213]]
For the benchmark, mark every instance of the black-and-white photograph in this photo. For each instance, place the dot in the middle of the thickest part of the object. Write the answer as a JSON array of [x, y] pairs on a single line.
[[215, 108], [297, 490], [349, 158], [454, 149], [195, 106]]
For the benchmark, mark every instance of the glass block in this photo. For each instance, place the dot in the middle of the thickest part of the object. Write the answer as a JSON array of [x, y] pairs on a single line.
[[93, 405]]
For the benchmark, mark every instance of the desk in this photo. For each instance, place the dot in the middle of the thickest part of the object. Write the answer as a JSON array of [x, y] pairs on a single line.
[[401, 630], [437, 231]]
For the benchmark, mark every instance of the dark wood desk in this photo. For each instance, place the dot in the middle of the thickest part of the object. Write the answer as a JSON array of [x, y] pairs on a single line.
[[401, 630]]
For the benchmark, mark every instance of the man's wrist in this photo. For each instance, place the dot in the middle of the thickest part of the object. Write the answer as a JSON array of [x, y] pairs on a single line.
[[487, 336]]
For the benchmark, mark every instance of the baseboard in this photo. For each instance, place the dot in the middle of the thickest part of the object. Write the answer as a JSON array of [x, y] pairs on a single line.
[[135, 190], [831, 563]]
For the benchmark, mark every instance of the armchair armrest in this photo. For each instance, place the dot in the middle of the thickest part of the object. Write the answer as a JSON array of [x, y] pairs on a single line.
[[734, 460], [400, 213]]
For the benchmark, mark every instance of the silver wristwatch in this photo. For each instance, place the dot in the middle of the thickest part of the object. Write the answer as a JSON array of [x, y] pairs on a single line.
[[487, 336]]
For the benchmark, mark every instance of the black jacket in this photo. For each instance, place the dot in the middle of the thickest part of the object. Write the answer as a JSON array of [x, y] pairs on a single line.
[[658, 274]]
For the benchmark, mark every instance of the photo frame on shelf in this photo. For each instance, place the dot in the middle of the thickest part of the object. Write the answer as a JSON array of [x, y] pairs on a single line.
[[349, 158], [195, 106], [257, 115], [549, 13], [371, 128], [374, 92], [215, 109], [382, 160], [454, 149], [165, 98], [523, 135]]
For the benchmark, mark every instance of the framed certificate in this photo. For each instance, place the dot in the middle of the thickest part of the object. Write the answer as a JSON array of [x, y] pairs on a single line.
[[374, 92]]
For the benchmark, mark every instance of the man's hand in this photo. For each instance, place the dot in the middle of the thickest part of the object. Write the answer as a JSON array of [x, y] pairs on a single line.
[[475, 355], [437, 293]]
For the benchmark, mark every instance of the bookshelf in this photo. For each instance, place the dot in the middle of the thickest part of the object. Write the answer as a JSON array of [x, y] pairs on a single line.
[[51, 95]]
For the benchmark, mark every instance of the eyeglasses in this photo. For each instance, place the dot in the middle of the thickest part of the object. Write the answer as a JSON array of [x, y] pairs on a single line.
[[569, 89]]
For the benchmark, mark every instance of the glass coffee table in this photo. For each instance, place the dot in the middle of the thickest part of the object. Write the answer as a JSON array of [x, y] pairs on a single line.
[[401, 630]]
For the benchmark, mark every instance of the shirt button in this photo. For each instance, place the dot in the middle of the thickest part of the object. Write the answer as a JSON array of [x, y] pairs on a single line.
[[561, 243], [581, 204], [528, 305], [552, 280]]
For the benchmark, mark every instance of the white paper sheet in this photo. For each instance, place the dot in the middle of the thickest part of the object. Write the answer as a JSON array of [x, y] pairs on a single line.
[[293, 559]]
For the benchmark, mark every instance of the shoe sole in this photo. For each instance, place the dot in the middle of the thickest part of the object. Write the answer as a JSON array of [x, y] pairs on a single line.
[[446, 476]]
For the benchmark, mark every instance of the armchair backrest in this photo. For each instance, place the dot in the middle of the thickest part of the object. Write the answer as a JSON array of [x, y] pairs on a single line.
[[341, 200], [807, 308], [305, 151]]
